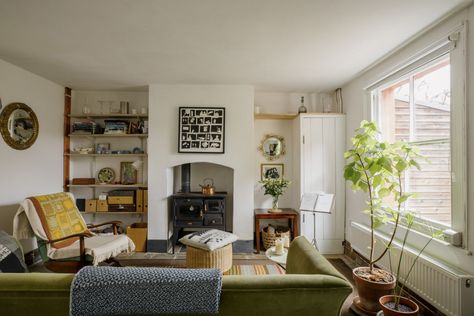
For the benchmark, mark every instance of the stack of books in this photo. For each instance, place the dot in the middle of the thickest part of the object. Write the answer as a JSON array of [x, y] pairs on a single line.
[[116, 127], [84, 127]]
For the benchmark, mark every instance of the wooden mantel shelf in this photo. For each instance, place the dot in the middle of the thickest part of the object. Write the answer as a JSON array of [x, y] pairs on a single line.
[[290, 116], [275, 116]]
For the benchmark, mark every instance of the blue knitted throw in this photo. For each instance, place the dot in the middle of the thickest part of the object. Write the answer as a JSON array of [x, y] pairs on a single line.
[[135, 290]]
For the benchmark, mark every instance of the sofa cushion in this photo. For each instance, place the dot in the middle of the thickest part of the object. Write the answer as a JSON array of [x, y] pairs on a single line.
[[209, 239], [303, 258], [11, 256]]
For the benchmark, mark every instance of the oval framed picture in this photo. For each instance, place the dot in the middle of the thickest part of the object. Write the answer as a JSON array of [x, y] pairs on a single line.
[[106, 175]]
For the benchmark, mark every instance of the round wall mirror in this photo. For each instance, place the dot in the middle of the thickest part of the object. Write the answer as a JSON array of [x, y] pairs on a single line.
[[272, 146], [19, 126]]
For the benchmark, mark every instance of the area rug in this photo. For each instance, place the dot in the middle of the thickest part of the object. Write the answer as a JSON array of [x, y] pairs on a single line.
[[257, 269]]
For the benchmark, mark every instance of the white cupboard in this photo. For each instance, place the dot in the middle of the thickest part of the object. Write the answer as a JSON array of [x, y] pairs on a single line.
[[319, 162]]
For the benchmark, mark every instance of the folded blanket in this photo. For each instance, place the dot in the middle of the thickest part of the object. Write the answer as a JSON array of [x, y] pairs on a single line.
[[136, 290]]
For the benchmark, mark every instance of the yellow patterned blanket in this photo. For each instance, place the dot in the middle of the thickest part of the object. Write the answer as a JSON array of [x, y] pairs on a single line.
[[59, 217]]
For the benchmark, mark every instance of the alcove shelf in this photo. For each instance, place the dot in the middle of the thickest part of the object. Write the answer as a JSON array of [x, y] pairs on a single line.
[[106, 155], [79, 165], [275, 116], [107, 116], [115, 213], [108, 135], [139, 185]]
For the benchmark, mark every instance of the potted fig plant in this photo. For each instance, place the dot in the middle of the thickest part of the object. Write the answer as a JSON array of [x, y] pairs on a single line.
[[274, 186], [376, 168], [395, 304]]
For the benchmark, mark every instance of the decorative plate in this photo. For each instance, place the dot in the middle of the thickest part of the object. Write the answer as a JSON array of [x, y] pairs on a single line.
[[106, 175]]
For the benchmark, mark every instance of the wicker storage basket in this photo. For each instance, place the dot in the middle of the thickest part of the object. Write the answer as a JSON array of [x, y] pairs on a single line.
[[219, 258], [269, 239]]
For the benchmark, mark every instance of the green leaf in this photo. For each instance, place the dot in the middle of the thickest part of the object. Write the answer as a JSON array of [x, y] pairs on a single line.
[[384, 192], [349, 171], [377, 181], [401, 165]]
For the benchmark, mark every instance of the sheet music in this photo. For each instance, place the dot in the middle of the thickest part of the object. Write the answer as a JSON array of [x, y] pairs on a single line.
[[317, 202], [308, 201], [324, 203]]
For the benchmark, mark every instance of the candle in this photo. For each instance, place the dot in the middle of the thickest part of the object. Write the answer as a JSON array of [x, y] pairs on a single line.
[[286, 241], [279, 247]]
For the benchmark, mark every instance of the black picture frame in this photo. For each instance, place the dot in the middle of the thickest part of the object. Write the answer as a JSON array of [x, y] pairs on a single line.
[[201, 130]]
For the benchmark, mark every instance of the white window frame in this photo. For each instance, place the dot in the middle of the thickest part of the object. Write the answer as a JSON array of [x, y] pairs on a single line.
[[455, 44]]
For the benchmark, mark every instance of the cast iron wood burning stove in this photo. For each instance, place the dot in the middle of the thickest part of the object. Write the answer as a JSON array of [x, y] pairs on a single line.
[[195, 210]]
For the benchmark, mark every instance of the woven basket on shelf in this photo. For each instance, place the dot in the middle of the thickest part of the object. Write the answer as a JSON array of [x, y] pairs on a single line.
[[269, 239]]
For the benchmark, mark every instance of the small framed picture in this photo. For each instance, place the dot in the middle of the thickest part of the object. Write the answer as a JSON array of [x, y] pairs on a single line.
[[102, 148], [271, 170], [128, 174]]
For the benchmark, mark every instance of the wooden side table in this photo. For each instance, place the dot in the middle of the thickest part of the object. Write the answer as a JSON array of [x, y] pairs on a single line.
[[286, 213]]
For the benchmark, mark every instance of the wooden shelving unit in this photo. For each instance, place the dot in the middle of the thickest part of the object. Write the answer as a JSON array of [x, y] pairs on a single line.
[[115, 213], [106, 155], [79, 165], [106, 116], [275, 116], [108, 135], [122, 186]]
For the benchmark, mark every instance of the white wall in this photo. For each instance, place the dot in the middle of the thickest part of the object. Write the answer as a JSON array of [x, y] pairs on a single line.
[[281, 102], [284, 102], [355, 106], [163, 154], [281, 128], [38, 169]]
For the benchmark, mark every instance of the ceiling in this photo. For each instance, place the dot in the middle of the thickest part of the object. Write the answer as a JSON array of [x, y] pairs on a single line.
[[275, 45]]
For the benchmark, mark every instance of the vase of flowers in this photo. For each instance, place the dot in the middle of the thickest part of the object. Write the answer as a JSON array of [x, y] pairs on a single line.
[[274, 187]]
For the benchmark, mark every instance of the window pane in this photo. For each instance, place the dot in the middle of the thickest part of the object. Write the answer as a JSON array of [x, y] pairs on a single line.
[[417, 109], [432, 184], [432, 90], [395, 112]]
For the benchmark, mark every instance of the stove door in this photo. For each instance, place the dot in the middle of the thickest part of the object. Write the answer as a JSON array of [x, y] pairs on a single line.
[[214, 205], [188, 209]]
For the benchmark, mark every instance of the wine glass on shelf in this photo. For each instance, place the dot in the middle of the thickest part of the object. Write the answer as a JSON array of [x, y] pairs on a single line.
[[105, 106]]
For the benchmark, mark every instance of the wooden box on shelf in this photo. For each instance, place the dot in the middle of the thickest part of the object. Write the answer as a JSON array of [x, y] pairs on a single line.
[[91, 206], [102, 206], [120, 199], [83, 181]]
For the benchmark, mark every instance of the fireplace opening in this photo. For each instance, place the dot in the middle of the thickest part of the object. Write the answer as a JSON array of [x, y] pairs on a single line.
[[190, 209]]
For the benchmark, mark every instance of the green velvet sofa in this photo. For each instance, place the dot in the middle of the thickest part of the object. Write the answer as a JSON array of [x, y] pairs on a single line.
[[312, 286]]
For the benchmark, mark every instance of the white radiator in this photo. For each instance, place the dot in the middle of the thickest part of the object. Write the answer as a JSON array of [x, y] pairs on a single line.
[[448, 289]]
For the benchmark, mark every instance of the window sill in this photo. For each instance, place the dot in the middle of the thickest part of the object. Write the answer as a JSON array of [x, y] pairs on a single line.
[[441, 254]]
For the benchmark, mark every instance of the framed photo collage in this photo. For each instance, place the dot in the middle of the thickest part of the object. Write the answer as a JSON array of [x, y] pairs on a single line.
[[201, 130]]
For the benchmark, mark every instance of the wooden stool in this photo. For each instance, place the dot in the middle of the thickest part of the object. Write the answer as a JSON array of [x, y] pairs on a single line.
[[220, 258]]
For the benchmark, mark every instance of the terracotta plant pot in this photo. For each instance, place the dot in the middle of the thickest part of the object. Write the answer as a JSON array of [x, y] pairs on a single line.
[[403, 300], [370, 292]]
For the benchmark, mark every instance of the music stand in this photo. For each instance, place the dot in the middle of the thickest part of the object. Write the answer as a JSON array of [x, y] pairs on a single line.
[[317, 203]]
